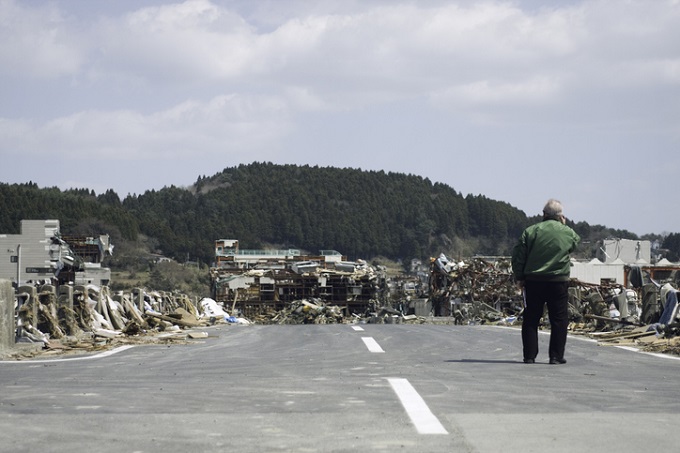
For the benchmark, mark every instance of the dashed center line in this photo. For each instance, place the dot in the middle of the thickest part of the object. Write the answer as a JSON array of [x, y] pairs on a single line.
[[372, 345], [416, 408], [358, 329], [420, 414]]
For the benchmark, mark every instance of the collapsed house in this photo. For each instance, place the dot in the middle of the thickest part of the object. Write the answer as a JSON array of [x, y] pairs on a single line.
[[254, 282]]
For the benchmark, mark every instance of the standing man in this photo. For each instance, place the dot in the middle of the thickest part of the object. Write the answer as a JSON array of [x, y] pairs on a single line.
[[541, 264]]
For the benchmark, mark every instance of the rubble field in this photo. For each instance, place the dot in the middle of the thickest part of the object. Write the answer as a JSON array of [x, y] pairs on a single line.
[[473, 292], [483, 291]]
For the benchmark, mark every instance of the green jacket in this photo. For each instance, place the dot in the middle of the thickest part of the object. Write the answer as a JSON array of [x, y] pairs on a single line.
[[542, 252]]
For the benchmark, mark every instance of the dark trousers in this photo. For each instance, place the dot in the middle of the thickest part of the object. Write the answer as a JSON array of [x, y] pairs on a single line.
[[555, 295]]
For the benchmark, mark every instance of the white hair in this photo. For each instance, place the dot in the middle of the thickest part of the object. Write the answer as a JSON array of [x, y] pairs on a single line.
[[552, 209]]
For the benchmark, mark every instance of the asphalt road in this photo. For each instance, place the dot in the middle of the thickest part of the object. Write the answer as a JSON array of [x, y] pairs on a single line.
[[335, 388]]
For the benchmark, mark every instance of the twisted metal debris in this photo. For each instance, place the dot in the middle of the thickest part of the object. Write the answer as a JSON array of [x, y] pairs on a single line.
[[482, 290]]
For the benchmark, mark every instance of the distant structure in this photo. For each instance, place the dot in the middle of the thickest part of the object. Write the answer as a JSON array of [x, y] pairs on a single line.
[[40, 253], [626, 250], [228, 254], [255, 281], [617, 259]]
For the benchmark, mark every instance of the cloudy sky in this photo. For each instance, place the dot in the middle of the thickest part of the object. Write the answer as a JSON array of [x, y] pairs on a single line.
[[514, 100]]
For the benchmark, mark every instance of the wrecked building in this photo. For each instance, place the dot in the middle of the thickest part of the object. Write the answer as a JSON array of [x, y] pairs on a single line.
[[59, 305], [58, 293], [617, 258], [256, 281], [481, 288], [41, 254], [626, 250]]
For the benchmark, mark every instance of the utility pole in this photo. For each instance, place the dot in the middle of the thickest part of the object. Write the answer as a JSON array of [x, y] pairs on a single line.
[[18, 266]]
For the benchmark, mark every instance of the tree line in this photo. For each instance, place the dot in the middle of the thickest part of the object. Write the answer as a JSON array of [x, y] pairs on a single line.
[[362, 214]]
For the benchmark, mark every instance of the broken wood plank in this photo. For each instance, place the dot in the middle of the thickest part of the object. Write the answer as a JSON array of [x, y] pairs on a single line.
[[631, 336], [106, 333], [612, 320], [176, 321]]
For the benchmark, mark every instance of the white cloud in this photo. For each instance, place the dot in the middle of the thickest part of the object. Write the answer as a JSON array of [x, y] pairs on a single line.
[[190, 15], [398, 47], [383, 51], [37, 42], [224, 124], [304, 99], [178, 41], [536, 90], [354, 82]]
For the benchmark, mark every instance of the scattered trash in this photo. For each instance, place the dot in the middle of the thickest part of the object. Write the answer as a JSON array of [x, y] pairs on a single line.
[[480, 290]]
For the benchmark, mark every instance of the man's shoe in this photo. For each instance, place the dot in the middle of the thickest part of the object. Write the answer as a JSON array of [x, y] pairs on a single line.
[[556, 361], [529, 361]]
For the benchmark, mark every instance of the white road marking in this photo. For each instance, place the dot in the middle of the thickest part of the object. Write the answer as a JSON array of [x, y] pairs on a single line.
[[372, 345], [416, 408], [653, 354], [358, 329], [89, 357], [591, 340]]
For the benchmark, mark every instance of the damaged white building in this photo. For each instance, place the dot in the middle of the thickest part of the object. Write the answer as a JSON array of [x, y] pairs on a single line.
[[617, 258], [40, 253]]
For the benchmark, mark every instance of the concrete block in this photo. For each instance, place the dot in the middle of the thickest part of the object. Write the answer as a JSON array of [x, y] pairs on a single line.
[[138, 298], [26, 294], [66, 296], [7, 328]]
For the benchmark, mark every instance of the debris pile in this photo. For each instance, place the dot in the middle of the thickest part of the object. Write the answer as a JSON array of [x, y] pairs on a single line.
[[274, 284], [88, 317], [645, 317], [474, 291], [316, 311], [482, 290], [312, 311]]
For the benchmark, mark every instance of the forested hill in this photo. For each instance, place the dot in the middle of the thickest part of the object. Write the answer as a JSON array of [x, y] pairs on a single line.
[[362, 214]]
